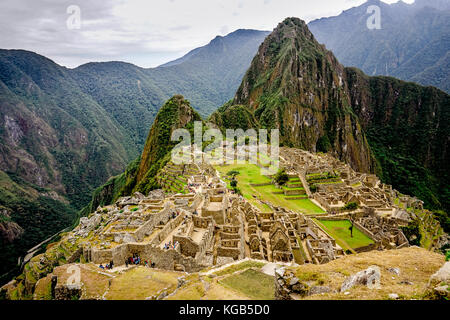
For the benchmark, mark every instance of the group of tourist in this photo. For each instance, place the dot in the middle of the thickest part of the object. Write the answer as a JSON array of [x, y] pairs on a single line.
[[192, 186], [108, 266], [169, 245], [136, 259], [175, 214]]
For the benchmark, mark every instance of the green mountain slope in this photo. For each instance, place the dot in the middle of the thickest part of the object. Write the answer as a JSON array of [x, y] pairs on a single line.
[[140, 174], [56, 144]]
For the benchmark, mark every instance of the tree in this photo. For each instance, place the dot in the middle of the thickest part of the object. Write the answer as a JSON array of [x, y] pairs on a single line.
[[233, 173], [233, 185], [351, 206], [281, 177]]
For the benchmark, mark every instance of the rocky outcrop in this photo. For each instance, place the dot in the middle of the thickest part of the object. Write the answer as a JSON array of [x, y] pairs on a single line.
[[369, 277], [439, 284], [289, 287], [9, 230], [68, 292]]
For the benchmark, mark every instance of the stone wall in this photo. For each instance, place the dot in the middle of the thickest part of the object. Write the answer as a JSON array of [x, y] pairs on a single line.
[[228, 252], [120, 253], [367, 248], [163, 259], [364, 230], [187, 246], [218, 216], [226, 236], [168, 228]]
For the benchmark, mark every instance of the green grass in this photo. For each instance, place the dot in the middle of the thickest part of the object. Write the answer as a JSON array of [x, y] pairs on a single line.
[[240, 266], [254, 284], [295, 188], [339, 230], [250, 174]]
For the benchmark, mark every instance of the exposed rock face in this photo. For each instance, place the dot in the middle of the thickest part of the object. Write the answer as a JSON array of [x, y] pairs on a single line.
[[369, 277], [9, 230]]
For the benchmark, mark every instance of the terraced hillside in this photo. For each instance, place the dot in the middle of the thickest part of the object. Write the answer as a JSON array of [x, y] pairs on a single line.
[[174, 178]]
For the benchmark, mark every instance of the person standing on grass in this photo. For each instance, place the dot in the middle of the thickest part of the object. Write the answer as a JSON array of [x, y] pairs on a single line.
[[351, 228]]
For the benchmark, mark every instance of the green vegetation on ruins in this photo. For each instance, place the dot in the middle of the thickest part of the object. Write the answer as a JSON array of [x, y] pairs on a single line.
[[340, 231], [250, 177]]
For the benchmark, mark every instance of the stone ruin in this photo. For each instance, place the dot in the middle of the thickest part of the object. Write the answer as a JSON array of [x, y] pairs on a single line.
[[207, 225]]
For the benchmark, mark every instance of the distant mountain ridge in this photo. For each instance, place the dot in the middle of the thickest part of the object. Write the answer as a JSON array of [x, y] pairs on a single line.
[[208, 75], [238, 35], [413, 43]]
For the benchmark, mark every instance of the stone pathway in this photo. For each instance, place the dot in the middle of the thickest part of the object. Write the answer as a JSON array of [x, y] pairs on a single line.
[[269, 269]]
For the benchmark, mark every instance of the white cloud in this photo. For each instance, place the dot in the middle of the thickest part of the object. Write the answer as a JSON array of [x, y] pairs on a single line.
[[143, 32]]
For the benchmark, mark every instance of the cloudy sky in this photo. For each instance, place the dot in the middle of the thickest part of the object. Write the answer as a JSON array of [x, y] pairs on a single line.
[[144, 32]]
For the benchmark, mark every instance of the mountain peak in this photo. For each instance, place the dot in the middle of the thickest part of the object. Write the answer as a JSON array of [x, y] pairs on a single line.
[[295, 85], [174, 114], [293, 23]]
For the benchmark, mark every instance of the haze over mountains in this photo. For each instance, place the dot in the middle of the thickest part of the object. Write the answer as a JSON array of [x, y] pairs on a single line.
[[413, 43]]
